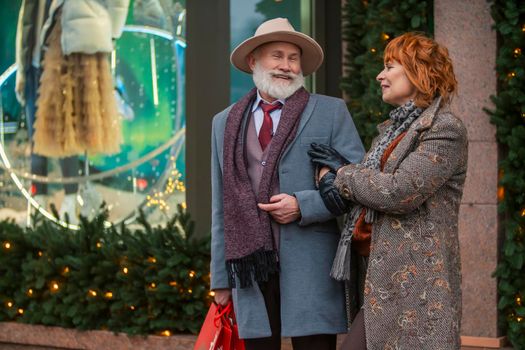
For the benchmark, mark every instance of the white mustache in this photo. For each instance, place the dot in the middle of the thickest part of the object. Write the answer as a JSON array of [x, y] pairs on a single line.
[[264, 80], [278, 74]]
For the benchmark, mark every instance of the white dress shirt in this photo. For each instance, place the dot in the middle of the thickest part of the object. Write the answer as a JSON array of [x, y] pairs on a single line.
[[258, 114]]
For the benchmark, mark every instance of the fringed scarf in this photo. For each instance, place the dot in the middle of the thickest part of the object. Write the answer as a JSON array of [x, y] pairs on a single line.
[[401, 117], [249, 248]]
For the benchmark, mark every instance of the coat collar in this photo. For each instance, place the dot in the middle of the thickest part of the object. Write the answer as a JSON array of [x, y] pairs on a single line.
[[423, 122], [427, 117], [305, 117]]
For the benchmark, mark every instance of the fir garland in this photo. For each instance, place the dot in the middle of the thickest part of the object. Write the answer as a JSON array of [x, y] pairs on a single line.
[[367, 28], [153, 280], [509, 118]]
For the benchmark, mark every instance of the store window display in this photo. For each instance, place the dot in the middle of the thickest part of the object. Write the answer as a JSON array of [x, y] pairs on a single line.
[[146, 85], [64, 82]]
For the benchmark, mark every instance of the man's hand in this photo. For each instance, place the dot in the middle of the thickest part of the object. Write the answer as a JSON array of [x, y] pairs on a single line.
[[222, 296], [283, 208]]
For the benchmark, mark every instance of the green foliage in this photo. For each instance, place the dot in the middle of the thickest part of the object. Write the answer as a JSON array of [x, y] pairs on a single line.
[[367, 27], [509, 117], [140, 282]]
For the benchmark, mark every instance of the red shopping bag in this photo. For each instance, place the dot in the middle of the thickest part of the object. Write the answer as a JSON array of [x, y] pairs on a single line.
[[219, 330]]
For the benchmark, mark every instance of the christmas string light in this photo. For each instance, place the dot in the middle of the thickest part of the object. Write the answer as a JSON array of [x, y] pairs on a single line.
[[54, 286], [7, 245], [501, 193], [173, 184], [501, 189]]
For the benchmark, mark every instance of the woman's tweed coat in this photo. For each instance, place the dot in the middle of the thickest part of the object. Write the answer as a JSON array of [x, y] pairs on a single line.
[[412, 289]]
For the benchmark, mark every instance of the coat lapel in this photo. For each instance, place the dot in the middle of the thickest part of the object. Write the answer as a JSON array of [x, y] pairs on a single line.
[[305, 117], [408, 143]]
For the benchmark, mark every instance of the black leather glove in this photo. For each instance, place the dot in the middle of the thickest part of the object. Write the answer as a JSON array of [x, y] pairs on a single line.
[[324, 155], [333, 201]]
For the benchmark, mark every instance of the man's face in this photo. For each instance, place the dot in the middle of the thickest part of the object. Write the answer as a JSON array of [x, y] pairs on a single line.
[[276, 69], [278, 57]]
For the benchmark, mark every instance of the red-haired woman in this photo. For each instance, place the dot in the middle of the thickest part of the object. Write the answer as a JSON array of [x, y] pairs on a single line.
[[399, 249]]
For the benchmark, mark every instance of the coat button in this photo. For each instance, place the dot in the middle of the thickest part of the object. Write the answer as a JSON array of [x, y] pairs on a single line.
[[346, 192], [263, 163]]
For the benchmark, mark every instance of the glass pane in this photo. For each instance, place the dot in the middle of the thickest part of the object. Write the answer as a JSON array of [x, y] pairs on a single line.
[[148, 67]]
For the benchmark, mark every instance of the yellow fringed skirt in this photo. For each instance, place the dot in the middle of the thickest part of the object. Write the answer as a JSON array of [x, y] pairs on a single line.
[[76, 107]]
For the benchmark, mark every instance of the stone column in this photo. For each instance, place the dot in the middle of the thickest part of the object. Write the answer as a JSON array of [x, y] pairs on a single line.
[[465, 28]]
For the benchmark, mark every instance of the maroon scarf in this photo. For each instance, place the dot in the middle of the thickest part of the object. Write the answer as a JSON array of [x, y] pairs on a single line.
[[248, 239]]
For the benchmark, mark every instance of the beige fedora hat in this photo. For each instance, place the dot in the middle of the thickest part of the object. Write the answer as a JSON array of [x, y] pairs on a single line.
[[279, 29]]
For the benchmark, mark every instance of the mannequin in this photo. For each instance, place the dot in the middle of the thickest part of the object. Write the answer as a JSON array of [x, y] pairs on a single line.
[[28, 55], [75, 110]]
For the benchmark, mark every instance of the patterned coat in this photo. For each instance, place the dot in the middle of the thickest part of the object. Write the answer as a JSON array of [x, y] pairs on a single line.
[[412, 297]]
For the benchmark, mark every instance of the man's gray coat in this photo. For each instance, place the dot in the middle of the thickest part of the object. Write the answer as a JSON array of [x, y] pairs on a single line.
[[311, 302]]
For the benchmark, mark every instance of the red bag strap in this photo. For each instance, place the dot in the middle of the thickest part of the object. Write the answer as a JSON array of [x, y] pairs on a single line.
[[222, 312]]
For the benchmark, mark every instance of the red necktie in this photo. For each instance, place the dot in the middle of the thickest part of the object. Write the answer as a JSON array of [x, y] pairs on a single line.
[[266, 132]]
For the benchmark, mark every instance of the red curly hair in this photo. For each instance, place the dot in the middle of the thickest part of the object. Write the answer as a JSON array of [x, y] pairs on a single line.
[[427, 65]]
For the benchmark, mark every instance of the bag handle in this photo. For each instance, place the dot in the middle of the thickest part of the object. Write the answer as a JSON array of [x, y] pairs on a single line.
[[222, 312]]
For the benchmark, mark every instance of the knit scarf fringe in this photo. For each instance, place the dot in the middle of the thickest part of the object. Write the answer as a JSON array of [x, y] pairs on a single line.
[[256, 266]]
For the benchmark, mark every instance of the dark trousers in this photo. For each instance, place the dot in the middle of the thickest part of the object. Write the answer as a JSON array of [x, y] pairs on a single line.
[[356, 337], [272, 299]]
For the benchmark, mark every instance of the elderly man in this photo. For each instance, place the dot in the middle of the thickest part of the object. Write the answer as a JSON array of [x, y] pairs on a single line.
[[274, 236]]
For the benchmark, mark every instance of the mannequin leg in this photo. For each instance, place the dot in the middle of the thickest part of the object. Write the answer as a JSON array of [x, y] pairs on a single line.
[[38, 162]]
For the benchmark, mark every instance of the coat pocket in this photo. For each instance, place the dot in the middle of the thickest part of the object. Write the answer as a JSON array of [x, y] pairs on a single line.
[[305, 141]]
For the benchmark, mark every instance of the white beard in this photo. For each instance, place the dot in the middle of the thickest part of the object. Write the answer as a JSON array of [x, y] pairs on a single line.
[[265, 82]]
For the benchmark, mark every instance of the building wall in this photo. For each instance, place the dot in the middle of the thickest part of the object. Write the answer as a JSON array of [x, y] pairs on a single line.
[[465, 28]]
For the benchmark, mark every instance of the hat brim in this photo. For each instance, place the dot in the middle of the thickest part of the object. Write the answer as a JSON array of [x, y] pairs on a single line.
[[311, 53]]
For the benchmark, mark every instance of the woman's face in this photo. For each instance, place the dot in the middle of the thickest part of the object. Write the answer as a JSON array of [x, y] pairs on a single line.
[[395, 86]]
